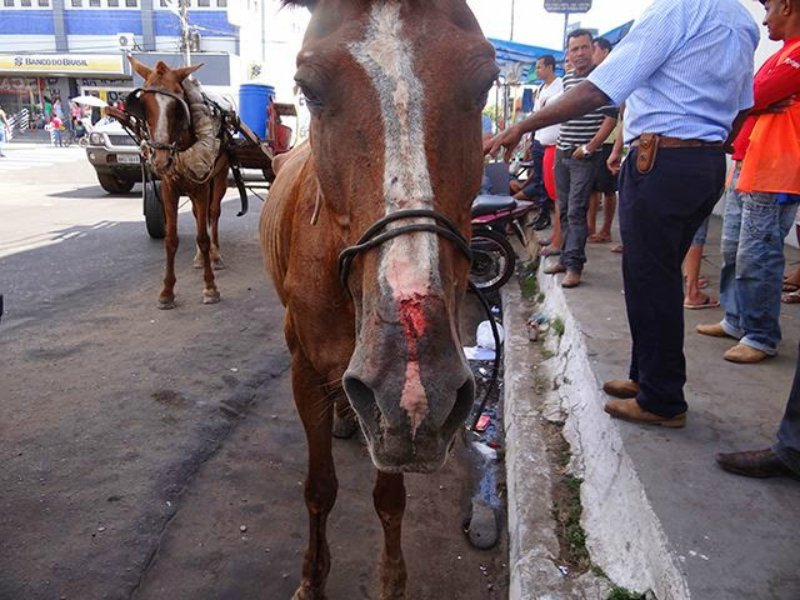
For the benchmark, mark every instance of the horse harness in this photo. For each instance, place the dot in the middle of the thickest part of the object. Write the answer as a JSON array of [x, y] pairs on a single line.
[[133, 105]]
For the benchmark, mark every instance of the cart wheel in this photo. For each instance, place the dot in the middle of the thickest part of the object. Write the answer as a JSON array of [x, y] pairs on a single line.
[[154, 210]]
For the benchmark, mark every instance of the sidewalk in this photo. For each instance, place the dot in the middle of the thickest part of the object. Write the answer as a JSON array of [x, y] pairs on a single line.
[[659, 514]]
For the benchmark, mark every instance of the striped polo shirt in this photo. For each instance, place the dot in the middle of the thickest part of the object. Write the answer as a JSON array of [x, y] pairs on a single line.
[[579, 131]]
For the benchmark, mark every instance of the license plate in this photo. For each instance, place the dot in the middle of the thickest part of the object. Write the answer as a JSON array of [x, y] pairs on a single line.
[[128, 159]]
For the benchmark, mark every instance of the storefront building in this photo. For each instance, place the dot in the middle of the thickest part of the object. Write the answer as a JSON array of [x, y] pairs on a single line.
[[59, 49]]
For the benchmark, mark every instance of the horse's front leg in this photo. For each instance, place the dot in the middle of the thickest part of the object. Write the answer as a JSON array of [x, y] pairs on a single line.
[[169, 198], [219, 188], [390, 503], [316, 412], [200, 205]]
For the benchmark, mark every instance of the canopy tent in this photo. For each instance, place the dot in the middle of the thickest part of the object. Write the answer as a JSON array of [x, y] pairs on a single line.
[[517, 60], [615, 35]]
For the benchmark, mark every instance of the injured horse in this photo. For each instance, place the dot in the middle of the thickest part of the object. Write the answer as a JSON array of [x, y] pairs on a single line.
[[366, 237]]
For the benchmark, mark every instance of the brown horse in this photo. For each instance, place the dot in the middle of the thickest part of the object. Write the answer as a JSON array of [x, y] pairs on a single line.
[[396, 89], [168, 130]]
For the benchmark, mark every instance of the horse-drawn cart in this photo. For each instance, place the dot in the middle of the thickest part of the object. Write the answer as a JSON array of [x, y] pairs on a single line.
[[245, 150]]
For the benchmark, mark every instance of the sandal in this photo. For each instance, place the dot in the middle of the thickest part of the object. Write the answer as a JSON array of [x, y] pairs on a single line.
[[544, 242], [707, 303], [617, 249], [791, 298], [550, 252], [599, 238], [790, 287]]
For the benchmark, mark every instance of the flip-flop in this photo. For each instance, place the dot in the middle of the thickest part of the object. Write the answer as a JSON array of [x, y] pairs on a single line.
[[599, 239], [707, 303], [617, 249], [791, 298], [790, 287], [544, 242], [550, 252]]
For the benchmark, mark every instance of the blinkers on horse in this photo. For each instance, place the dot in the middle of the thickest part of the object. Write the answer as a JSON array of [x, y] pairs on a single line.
[[134, 107]]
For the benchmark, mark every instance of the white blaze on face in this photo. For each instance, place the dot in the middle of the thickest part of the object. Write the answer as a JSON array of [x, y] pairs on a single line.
[[162, 129], [409, 263]]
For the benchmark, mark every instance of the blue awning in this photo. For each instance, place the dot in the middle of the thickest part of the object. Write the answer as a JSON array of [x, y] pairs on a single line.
[[513, 55], [615, 35]]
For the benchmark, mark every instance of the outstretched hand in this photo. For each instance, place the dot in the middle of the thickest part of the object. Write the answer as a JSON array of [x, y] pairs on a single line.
[[614, 162], [508, 139]]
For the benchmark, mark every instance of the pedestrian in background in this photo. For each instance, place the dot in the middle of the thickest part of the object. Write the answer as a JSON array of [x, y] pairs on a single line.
[[5, 131], [685, 71], [576, 165], [762, 199]]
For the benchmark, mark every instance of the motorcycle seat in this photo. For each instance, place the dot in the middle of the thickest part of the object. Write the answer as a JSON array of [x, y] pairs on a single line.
[[486, 205]]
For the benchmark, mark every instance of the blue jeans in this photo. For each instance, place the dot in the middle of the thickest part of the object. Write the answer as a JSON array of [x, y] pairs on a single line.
[[574, 179], [753, 232], [788, 446]]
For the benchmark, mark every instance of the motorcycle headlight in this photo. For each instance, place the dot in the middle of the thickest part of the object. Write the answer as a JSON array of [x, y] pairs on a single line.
[[97, 139]]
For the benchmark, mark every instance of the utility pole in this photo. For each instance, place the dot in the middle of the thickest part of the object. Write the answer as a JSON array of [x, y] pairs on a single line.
[[185, 34], [513, 7], [566, 29]]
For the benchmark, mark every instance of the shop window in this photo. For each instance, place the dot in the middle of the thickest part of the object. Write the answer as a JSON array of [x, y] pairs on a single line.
[[222, 3], [203, 3], [8, 3], [77, 3], [26, 3], [94, 3], [113, 3], [132, 3], [44, 3]]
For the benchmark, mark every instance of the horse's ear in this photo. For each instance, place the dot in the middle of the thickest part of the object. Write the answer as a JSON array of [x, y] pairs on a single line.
[[142, 70], [184, 72]]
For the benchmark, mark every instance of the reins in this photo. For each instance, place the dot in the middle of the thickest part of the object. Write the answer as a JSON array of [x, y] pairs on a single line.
[[443, 227]]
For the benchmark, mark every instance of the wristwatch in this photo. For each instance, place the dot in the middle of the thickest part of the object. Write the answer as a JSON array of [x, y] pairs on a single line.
[[585, 150]]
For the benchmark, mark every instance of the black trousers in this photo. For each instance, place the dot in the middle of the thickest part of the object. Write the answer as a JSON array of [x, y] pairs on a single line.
[[788, 446], [659, 214]]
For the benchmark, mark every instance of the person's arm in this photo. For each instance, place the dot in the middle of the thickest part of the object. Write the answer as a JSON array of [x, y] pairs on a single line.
[[738, 122], [781, 84], [614, 162], [652, 40], [583, 98], [606, 129]]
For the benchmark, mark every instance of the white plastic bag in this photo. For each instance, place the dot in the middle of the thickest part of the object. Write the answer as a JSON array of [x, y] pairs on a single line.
[[485, 337]]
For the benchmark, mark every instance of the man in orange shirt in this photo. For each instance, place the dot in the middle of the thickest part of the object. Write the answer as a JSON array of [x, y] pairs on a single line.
[[761, 205]]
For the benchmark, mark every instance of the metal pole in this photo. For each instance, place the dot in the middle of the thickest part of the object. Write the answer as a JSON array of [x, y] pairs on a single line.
[[566, 29], [513, 7], [187, 52]]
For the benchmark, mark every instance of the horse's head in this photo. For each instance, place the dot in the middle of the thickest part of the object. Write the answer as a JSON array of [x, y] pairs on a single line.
[[159, 104], [396, 89]]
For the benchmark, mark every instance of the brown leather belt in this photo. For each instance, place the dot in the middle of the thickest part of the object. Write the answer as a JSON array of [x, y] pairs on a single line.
[[671, 142], [649, 144]]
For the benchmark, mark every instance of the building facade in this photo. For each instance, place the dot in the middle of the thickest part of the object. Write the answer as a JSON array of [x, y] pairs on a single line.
[[64, 48]]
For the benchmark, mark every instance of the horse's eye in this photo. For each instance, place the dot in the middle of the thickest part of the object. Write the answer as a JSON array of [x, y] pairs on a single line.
[[313, 99]]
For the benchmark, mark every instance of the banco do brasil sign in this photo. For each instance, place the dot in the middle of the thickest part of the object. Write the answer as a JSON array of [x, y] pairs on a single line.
[[568, 6]]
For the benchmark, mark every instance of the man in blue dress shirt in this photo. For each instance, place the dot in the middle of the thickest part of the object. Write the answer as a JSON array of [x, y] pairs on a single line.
[[685, 71]]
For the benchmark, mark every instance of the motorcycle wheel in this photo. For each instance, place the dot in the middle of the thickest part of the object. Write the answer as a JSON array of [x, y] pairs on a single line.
[[493, 260]]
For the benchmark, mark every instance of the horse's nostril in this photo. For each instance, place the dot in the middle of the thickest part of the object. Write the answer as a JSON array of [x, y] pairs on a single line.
[[360, 395]]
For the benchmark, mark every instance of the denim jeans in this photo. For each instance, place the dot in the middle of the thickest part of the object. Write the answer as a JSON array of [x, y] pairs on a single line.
[[574, 179], [753, 232], [535, 186], [788, 446]]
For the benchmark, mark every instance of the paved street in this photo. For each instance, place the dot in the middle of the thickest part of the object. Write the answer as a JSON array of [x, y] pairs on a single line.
[[136, 443]]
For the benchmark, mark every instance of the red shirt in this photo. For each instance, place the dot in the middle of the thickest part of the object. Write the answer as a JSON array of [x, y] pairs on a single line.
[[773, 82]]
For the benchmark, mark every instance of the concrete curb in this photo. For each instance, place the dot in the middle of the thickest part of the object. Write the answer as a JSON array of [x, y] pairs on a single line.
[[533, 544], [624, 535]]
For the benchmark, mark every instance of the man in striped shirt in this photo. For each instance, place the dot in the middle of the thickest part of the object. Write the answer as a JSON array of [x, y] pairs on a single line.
[[686, 71], [576, 165]]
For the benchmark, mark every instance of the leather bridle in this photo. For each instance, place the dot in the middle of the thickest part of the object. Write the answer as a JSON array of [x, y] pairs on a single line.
[[133, 105], [377, 235]]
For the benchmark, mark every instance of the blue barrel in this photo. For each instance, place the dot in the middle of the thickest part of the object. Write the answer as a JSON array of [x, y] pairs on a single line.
[[253, 102]]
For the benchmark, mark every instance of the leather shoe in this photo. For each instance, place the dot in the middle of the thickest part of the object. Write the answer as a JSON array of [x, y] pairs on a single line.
[[755, 463], [542, 222], [744, 354], [629, 410], [715, 330], [621, 388], [555, 268], [571, 280]]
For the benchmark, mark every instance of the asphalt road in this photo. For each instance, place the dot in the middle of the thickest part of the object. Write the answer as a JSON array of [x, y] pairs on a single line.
[[137, 443]]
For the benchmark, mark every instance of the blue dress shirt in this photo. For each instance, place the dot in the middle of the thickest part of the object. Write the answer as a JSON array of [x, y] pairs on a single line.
[[685, 69]]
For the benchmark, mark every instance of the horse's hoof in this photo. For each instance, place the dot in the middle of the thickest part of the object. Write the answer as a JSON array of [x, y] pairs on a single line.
[[197, 263], [211, 297], [304, 594], [344, 427], [165, 304], [217, 264]]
